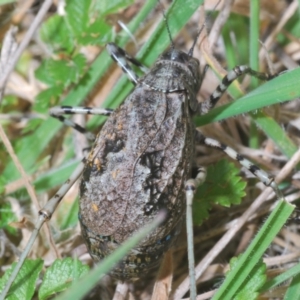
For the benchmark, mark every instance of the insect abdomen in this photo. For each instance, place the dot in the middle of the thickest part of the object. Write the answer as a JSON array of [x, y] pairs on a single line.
[[138, 166]]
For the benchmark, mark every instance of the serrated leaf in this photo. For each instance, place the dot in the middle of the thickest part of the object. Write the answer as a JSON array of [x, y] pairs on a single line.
[[24, 285], [108, 7], [41, 73], [57, 34], [46, 98], [61, 71], [96, 33], [255, 281], [77, 16], [79, 61], [85, 19], [58, 74], [222, 186], [61, 275]]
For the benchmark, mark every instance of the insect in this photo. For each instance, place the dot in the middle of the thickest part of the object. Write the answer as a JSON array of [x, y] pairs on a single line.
[[145, 151], [141, 161]]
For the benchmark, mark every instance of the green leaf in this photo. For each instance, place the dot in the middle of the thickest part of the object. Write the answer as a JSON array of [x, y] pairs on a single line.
[[44, 98], [108, 7], [98, 32], [79, 61], [58, 74], [61, 72], [24, 285], [256, 278], [61, 275], [57, 34], [41, 73], [222, 186], [77, 15], [85, 24]]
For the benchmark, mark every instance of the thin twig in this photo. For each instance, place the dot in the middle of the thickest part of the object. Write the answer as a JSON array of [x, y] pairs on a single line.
[[29, 188], [24, 43], [283, 20], [220, 21], [18, 165]]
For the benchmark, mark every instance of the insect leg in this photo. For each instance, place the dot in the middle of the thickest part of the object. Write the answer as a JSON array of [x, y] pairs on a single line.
[[263, 176], [232, 75], [121, 58], [190, 188], [58, 112]]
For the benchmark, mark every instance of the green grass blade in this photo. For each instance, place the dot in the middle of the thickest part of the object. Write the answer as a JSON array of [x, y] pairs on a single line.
[[254, 63], [254, 39], [275, 132], [281, 89], [293, 292], [254, 252], [280, 279]]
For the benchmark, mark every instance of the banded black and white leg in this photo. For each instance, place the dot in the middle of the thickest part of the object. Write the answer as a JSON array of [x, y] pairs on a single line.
[[192, 184], [58, 112], [190, 188], [122, 58], [263, 176], [232, 75]]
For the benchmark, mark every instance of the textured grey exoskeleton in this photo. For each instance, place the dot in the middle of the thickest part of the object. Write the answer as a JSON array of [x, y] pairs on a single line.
[[139, 164]]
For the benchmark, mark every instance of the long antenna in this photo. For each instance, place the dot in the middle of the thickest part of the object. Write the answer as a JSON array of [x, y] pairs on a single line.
[[167, 26], [168, 29], [190, 53]]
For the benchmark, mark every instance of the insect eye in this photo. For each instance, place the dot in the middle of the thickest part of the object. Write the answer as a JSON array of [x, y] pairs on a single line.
[[178, 56]]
